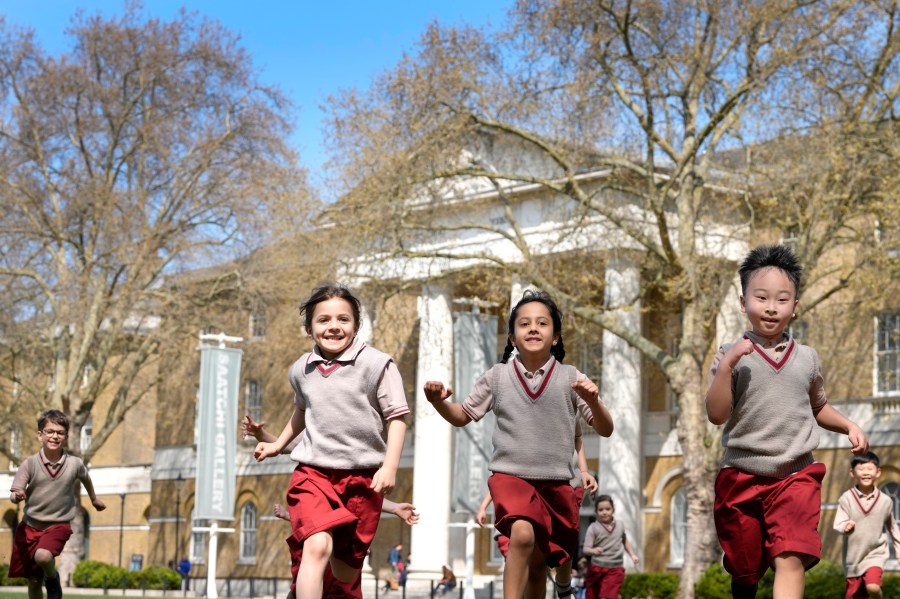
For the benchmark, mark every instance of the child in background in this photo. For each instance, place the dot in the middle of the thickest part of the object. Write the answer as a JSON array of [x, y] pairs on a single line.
[[45, 482], [606, 544], [349, 407], [865, 518], [768, 491], [535, 399]]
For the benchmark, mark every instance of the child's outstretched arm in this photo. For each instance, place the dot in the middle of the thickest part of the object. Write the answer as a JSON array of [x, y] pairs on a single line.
[[719, 397], [630, 551], [405, 511], [481, 517], [832, 420], [293, 428], [587, 479], [386, 476], [436, 394], [601, 420], [89, 487]]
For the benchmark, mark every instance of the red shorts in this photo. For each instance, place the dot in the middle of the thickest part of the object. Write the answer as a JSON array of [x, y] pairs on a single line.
[[579, 496], [338, 500], [758, 518], [502, 544], [548, 504], [603, 582], [856, 587], [28, 540], [332, 588]]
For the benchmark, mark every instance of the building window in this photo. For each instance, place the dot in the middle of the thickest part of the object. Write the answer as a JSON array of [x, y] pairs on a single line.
[[198, 542], [887, 354], [258, 323], [253, 400], [678, 528], [248, 533], [87, 434]]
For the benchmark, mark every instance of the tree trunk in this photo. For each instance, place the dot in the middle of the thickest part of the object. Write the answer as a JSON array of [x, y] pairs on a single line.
[[700, 450]]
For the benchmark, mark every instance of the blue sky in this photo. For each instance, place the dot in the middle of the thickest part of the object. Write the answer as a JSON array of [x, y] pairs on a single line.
[[309, 48]]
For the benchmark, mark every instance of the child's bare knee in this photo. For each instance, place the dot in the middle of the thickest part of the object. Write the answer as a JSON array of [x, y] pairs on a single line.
[[522, 533], [43, 557]]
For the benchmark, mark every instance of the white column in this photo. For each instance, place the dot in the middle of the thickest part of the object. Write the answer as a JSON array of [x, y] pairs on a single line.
[[621, 454], [366, 327], [433, 435]]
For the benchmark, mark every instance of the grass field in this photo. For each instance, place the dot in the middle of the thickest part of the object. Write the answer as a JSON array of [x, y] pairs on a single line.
[[24, 595]]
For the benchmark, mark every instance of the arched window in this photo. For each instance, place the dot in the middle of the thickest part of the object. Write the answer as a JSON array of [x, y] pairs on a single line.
[[677, 528], [248, 533]]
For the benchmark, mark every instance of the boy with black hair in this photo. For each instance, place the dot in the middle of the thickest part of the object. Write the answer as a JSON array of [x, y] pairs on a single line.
[[865, 518], [769, 392], [45, 482]]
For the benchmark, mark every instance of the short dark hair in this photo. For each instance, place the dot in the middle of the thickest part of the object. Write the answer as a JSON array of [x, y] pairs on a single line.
[[326, 292], [771, 256], [868, 458], [56, 417]]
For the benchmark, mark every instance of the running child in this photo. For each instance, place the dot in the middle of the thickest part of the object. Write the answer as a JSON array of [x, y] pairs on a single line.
[[536, 399], [606, 544], [349, 409], [332, 587], [769, 392], [865, 519], [45, 482]]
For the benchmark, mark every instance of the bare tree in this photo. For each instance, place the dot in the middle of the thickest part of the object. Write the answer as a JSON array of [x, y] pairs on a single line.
[[659, 125], [148, 150]]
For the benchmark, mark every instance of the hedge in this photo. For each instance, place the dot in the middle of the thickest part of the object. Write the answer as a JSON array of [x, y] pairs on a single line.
[[6, 581], [93, 574]]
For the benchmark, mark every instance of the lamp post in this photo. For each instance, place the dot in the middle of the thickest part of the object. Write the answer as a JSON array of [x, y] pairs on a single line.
[[179, 485], [121, 525]]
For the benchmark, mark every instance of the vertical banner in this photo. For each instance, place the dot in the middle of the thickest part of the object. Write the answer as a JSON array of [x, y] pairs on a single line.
[[220, 372], [474, 352]]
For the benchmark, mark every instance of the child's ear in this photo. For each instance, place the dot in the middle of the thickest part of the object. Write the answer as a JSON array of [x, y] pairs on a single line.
[[743, 305]]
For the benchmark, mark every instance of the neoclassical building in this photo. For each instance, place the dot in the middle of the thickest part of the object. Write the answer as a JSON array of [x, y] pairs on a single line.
[[146, 475]]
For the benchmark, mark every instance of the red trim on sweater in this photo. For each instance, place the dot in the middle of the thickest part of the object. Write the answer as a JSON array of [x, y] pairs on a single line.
[[524, 383], [773, 363]]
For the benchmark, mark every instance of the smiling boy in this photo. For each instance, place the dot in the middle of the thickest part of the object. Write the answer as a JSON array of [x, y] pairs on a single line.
[[769, 392], [45, 482], [865, 518]]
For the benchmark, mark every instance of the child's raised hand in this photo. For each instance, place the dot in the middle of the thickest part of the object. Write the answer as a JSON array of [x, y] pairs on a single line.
[[586, 390], [384, 479], [98, 504], [265, 450], [435, 391], [740, 349], [407, 513], [849, 526], [858, 440], [16, 495], [249, 428]]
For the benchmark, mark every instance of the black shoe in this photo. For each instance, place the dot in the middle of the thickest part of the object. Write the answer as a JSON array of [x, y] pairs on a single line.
[[54, 588]]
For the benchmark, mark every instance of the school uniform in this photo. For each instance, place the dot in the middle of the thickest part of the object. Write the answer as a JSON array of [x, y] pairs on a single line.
[[533, 446], [768, 490], [606, 572], [347, 403], [49, 508], [865, 549]]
